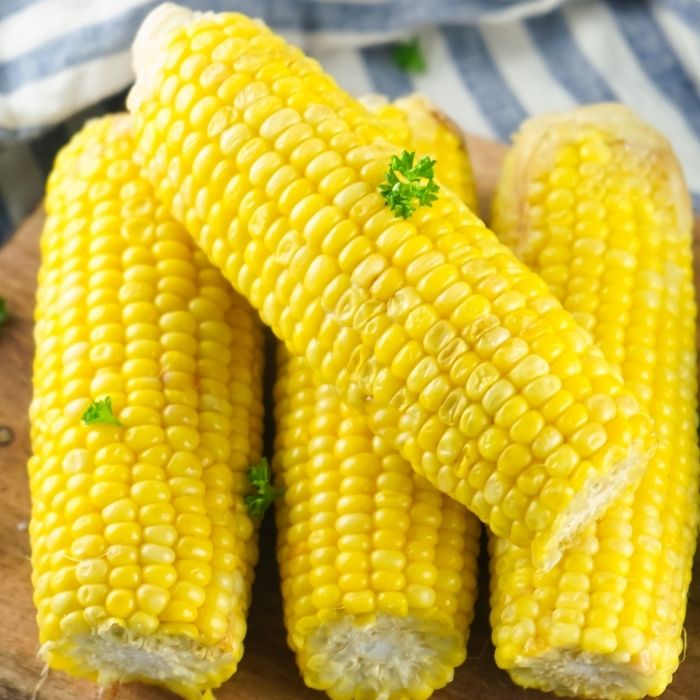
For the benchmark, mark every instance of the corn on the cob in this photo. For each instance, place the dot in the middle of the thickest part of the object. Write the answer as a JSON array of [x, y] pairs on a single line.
[[142, 548], [414, 121], [378, 567], [460, 355], [595, 200]]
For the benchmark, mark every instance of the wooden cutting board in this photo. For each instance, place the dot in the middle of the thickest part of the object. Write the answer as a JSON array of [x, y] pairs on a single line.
[[267, 671]]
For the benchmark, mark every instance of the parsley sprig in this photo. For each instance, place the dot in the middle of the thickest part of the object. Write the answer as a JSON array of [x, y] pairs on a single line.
[[407, 184], [4, 313], [409, 57], [100, 412], [260, 476]]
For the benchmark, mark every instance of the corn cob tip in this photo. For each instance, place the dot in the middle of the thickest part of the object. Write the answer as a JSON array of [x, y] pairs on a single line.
[[419, 106], [146, 48], [374, 101], [538, 137], [423, 116]]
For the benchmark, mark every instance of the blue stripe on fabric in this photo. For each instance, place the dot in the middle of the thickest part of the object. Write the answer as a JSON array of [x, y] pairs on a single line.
[[565, 61], [688, 10], [695, 196], [116, 33], [391, 15], [9, 7], [657, 57], [72, 49], [308, 16], [482, 78], [93, 41], [387, 77]]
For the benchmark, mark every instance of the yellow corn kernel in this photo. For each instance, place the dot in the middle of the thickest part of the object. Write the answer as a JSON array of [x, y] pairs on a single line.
[[129, 306], [601, 211], [397, 568], [279, 236]]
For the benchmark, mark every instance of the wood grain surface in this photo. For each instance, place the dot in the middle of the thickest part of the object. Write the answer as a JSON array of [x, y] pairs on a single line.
[[267, 671]]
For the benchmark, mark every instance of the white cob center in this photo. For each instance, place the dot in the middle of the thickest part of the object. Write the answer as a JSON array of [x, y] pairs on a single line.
[[388, 655], [582, 675], [119, 655]]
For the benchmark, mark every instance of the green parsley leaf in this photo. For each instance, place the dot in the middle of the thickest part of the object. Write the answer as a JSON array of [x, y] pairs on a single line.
[[4, 313], [260, 476], [409, 57], [100, 412], [407, 184]]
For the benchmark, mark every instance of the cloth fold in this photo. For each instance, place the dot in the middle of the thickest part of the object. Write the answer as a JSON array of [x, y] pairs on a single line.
[[489, 64]]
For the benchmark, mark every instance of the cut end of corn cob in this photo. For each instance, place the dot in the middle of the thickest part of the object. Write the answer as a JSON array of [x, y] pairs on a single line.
[[142, 547], [115, 654], [388, 657], [572, 674], [594, 200]]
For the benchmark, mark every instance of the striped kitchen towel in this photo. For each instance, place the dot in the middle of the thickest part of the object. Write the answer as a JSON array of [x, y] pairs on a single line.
[[489, 65]]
